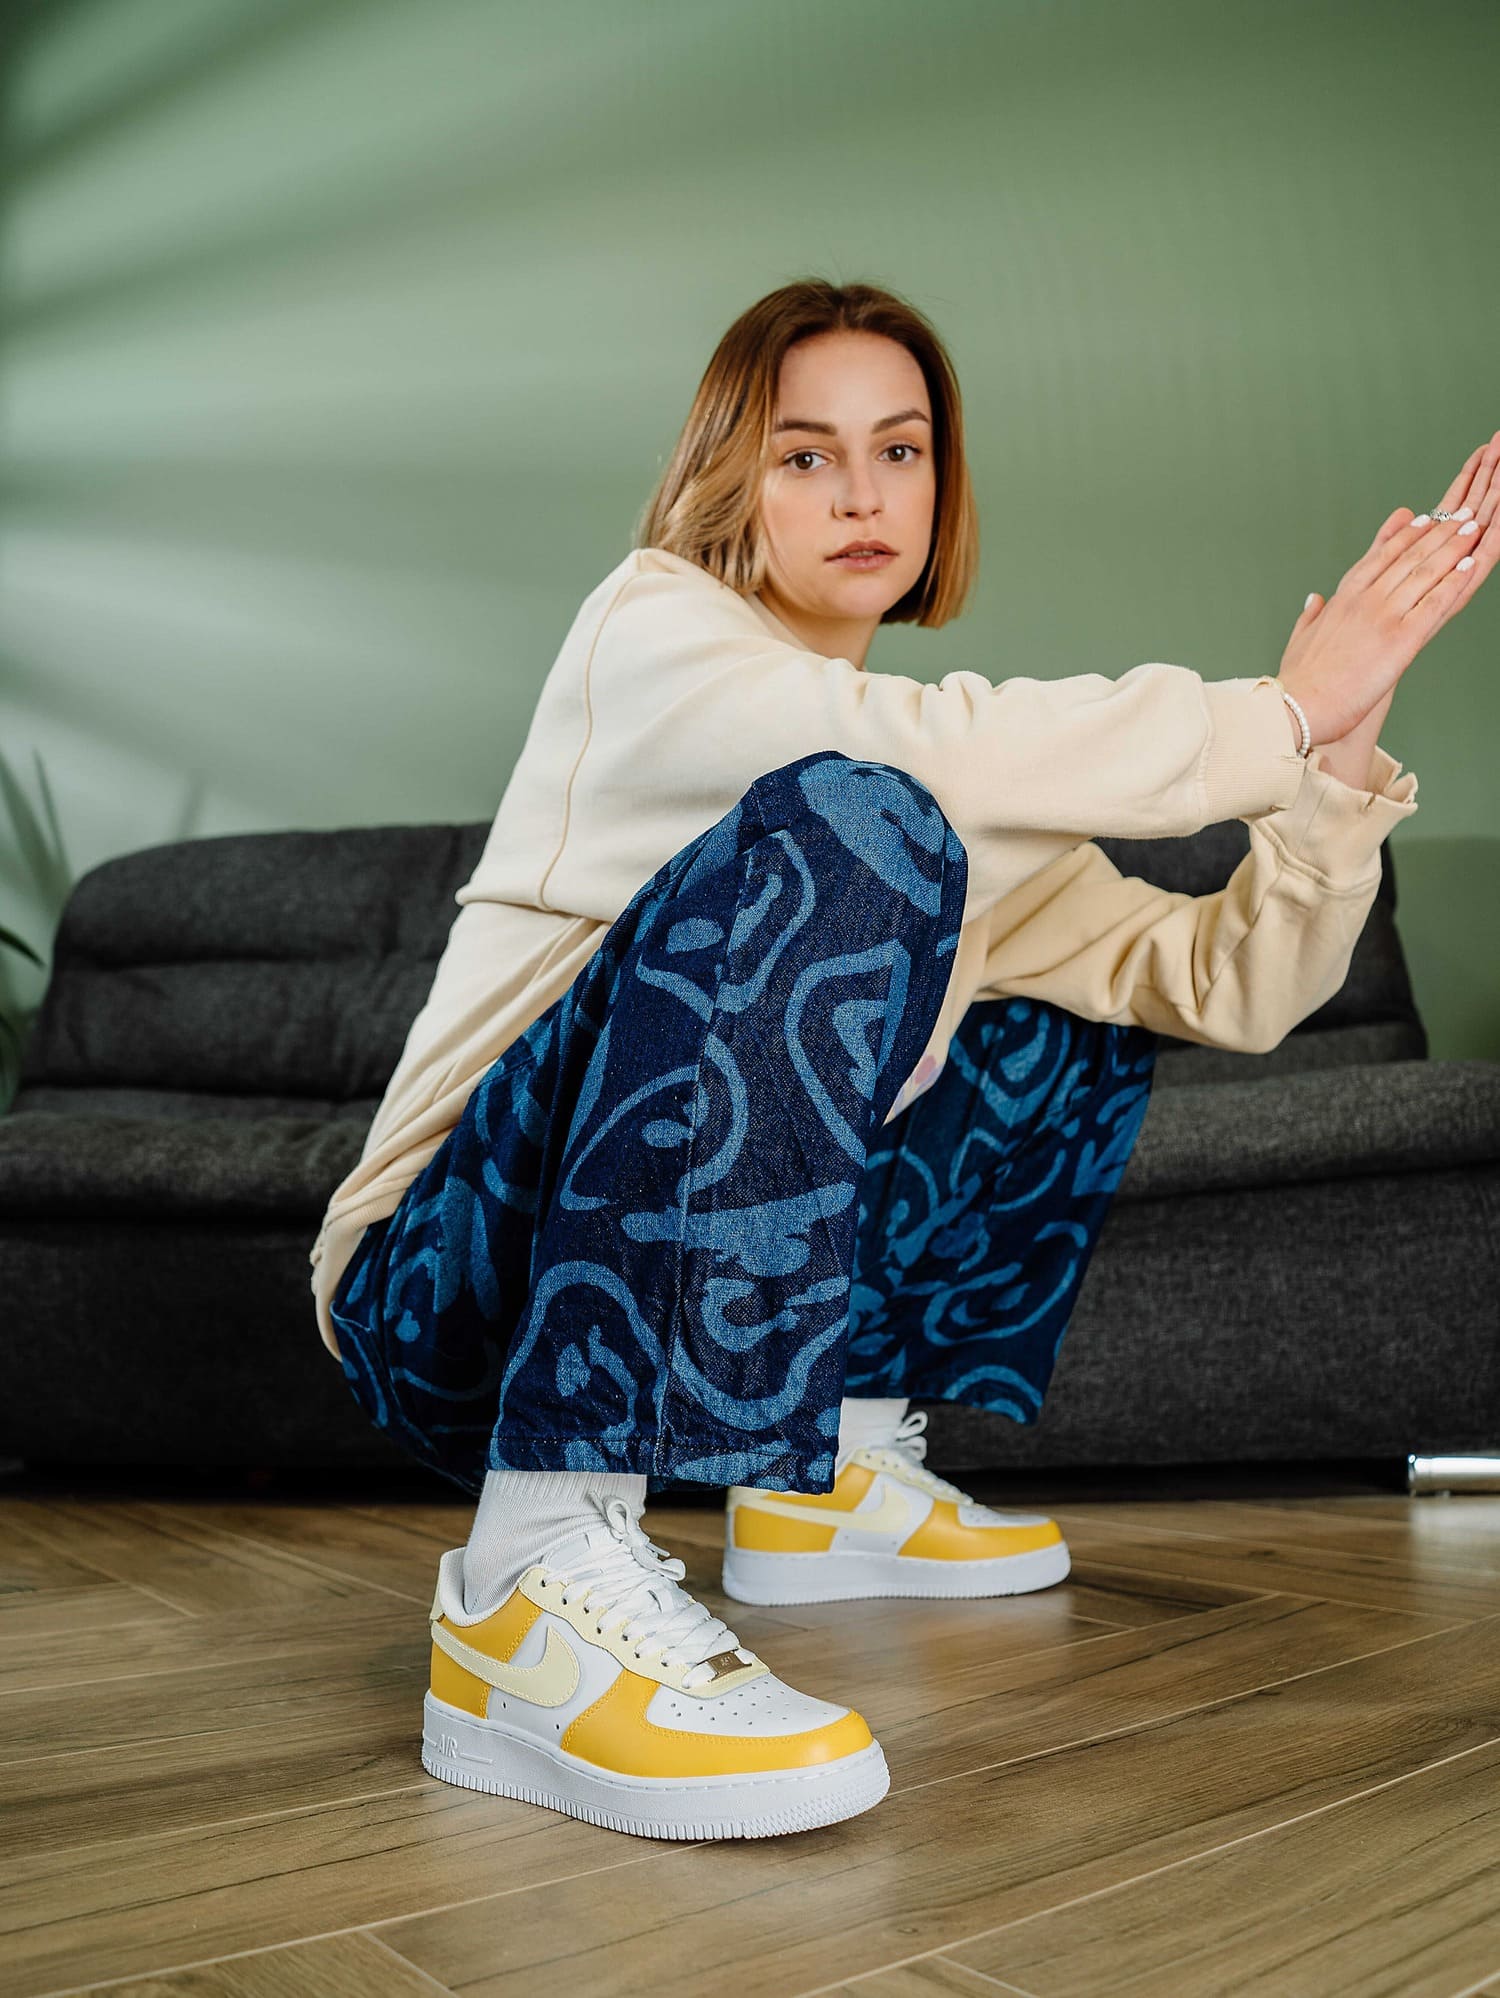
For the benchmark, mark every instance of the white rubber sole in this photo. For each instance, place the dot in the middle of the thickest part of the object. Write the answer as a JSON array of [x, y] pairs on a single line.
[[483, 1754], [750, 1576]]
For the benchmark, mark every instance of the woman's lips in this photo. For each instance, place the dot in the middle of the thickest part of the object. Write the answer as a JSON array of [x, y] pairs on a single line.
[[866, 558]]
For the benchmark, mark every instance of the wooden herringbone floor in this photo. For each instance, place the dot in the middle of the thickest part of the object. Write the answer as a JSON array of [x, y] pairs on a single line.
[[1251, 1745]]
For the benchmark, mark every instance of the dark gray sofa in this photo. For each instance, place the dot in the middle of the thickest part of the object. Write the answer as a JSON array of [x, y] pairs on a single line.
[[1302, 1262]]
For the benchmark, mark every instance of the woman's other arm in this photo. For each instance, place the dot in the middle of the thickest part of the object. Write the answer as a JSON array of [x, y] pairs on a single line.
[[1237, 969]]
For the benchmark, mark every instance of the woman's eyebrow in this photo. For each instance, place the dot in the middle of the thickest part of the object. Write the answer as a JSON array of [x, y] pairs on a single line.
[[831, 429]]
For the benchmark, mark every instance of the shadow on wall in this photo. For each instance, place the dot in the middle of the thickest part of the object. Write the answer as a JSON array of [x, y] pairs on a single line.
[[1449, 919], [34, 868]]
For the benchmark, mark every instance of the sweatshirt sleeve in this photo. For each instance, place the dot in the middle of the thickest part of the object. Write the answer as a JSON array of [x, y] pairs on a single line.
[[689, 698], [1239, 968]]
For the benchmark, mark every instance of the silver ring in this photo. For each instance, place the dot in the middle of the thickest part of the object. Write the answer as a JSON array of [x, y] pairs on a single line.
[[1438, 514]]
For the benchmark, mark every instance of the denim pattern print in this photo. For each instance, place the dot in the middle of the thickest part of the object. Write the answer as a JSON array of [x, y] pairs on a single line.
[[981, 1209], [633, 1251], [637, 1249]]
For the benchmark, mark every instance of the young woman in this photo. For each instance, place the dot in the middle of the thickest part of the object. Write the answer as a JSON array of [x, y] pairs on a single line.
[[785, 1056]]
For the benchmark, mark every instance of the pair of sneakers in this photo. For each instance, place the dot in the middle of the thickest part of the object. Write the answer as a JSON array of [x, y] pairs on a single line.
[[601, 1687]]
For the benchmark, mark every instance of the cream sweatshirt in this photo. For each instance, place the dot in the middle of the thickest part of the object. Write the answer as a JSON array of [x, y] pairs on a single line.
[[672, 692]]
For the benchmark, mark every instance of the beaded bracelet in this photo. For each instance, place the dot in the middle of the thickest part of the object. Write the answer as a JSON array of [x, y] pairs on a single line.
[[1306, 750]]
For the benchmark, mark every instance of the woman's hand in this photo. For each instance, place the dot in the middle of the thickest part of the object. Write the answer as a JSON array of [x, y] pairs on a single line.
[[1347, 655]]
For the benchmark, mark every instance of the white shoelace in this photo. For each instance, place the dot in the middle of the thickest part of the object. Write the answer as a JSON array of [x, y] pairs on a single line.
[[908, 1446], [647, 1608]]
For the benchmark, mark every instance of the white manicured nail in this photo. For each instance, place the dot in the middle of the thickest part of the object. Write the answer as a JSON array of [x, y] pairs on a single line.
[[1469, 527], [1467, 562], [1309, 604], [1421, 520]]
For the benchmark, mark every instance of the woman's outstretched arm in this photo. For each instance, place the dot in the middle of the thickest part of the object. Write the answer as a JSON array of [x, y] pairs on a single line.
[[1238, 968]]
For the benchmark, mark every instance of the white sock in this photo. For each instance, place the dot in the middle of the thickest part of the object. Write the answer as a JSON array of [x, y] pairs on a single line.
[[521, 1512], [862, 1416]]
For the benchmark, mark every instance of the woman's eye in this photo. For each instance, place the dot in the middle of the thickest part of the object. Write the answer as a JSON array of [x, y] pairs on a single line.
[[912, 451]]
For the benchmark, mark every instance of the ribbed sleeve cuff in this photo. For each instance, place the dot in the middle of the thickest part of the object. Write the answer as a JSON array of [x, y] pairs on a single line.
[[1336, 830], [1250, 764]]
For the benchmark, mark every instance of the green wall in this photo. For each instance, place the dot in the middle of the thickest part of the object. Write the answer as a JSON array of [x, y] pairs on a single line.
[[341, 342]]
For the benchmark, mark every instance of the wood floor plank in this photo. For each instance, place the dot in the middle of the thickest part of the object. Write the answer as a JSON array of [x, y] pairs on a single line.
[[952, 1708], [58, 1611], [348, 1966], [338, 1729], [153, 1902], [159, 1792], [343, 1540], [268, 1688], [44, 1591], [937, 1861], [1098, 1544], [1420, 1535], [1135, 1599], [1461, 1512], [928, 1977], [165, 1546], [1388, 1895], [64, 1659]]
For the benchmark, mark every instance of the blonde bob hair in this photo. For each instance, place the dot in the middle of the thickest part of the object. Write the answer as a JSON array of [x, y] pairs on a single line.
[[706, 507]]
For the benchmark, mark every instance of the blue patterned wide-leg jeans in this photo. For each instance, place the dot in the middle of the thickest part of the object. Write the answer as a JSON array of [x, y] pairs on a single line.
[[669, 1232]]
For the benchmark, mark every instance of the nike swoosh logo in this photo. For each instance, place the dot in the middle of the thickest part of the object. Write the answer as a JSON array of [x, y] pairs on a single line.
[[886, 1517], [552, 1680]]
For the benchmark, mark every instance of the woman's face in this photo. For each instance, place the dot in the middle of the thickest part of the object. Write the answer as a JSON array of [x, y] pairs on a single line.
[[841, 471]]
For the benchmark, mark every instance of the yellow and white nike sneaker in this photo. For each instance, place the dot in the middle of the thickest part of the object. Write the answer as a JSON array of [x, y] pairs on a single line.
[[601, 1688], [889, 1527]]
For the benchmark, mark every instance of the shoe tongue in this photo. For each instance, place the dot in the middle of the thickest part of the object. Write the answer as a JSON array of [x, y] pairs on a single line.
[[579, 1544]]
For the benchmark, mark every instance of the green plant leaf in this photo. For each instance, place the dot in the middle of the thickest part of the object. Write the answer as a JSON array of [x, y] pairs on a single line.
[[39, 844], [20, 944]]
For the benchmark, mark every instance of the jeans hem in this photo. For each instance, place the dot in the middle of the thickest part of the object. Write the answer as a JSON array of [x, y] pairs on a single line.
[[638, 1456]]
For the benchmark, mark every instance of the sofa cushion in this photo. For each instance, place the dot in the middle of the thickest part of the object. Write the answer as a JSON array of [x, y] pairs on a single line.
[[87, 1100], [233, 1167], [1394, 1117], [1351, 1046], [258, 965], [1341, 1123]]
